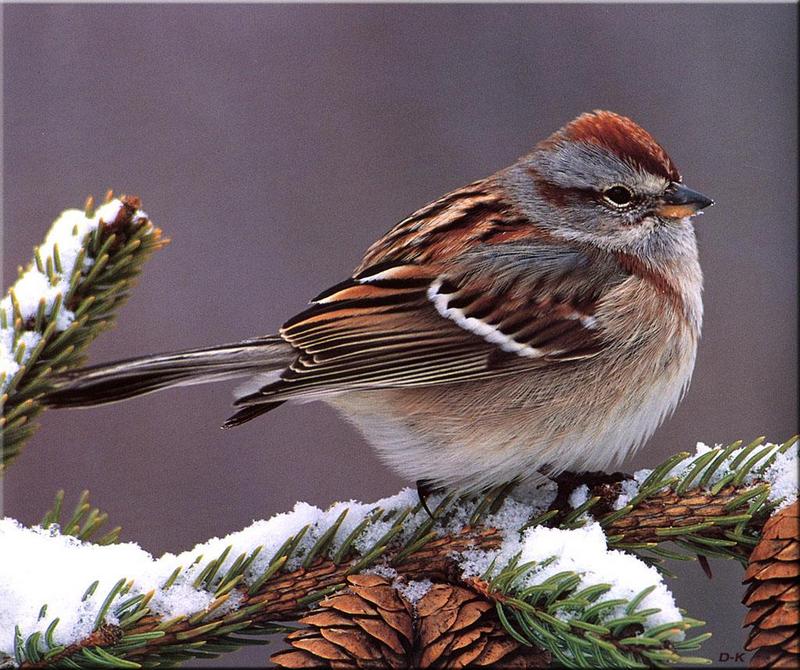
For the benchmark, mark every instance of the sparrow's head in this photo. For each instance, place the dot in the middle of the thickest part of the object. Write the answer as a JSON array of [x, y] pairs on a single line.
[[605, 180]]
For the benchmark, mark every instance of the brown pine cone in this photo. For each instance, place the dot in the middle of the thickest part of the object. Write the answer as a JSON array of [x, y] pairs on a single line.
[[367, 626], [774, 593], [458, 628], [370, 625]]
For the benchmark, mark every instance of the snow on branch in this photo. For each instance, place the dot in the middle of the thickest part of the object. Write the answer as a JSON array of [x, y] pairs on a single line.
[[62, 300], [571, 566]]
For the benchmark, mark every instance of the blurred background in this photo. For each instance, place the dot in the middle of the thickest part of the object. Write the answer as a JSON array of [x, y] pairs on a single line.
[[274, 143]]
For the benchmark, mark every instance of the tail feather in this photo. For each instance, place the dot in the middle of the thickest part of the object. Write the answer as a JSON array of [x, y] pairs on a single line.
[[101, 384], [250, 412]]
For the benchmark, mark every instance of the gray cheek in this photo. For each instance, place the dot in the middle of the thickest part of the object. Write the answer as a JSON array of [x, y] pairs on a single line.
[[592, 218]]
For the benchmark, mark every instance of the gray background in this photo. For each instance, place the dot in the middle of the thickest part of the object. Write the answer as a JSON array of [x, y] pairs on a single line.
[[273, 143]]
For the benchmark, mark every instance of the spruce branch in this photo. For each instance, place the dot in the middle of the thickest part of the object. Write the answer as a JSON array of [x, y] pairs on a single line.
[[84, 522], [250, 595], [66, 296]]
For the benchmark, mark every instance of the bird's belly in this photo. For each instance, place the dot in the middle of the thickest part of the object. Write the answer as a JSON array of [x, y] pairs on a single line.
[[476, 434]]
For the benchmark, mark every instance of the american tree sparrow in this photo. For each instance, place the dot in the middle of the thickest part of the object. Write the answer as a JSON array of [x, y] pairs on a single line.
[[545, 317]]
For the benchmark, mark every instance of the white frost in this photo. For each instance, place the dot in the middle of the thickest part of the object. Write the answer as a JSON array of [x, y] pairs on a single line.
[[8, 364], [584, 551], [41, 566], [782, 478], [34, 286], [385, 571], [629, 489], [413, 591], [579, 496], [781, 474]]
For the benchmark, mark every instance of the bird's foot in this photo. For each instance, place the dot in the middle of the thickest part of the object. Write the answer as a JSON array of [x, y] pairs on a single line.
[[425, 488]]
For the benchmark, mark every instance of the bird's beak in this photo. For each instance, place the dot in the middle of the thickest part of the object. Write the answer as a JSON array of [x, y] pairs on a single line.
[[679, 201]]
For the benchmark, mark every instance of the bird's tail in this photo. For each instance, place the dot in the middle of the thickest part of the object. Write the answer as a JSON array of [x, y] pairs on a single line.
[[112, 382]]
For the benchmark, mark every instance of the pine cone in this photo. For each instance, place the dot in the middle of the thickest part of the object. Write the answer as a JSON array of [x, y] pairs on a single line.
[[367, 626], [774, 593], [458, 628], [372, 626]]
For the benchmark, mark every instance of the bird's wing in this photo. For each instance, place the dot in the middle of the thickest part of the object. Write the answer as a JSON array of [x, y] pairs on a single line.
[[500, 297]]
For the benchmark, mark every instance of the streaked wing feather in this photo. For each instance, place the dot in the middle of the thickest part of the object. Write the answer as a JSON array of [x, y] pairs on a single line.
[[374, 341], [379, 342], [418, 310]]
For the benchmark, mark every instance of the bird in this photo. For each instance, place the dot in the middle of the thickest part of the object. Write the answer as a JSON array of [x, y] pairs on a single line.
[[542, 319]]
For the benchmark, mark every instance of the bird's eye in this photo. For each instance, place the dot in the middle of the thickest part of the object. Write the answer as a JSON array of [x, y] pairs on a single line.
[[618, 195]]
